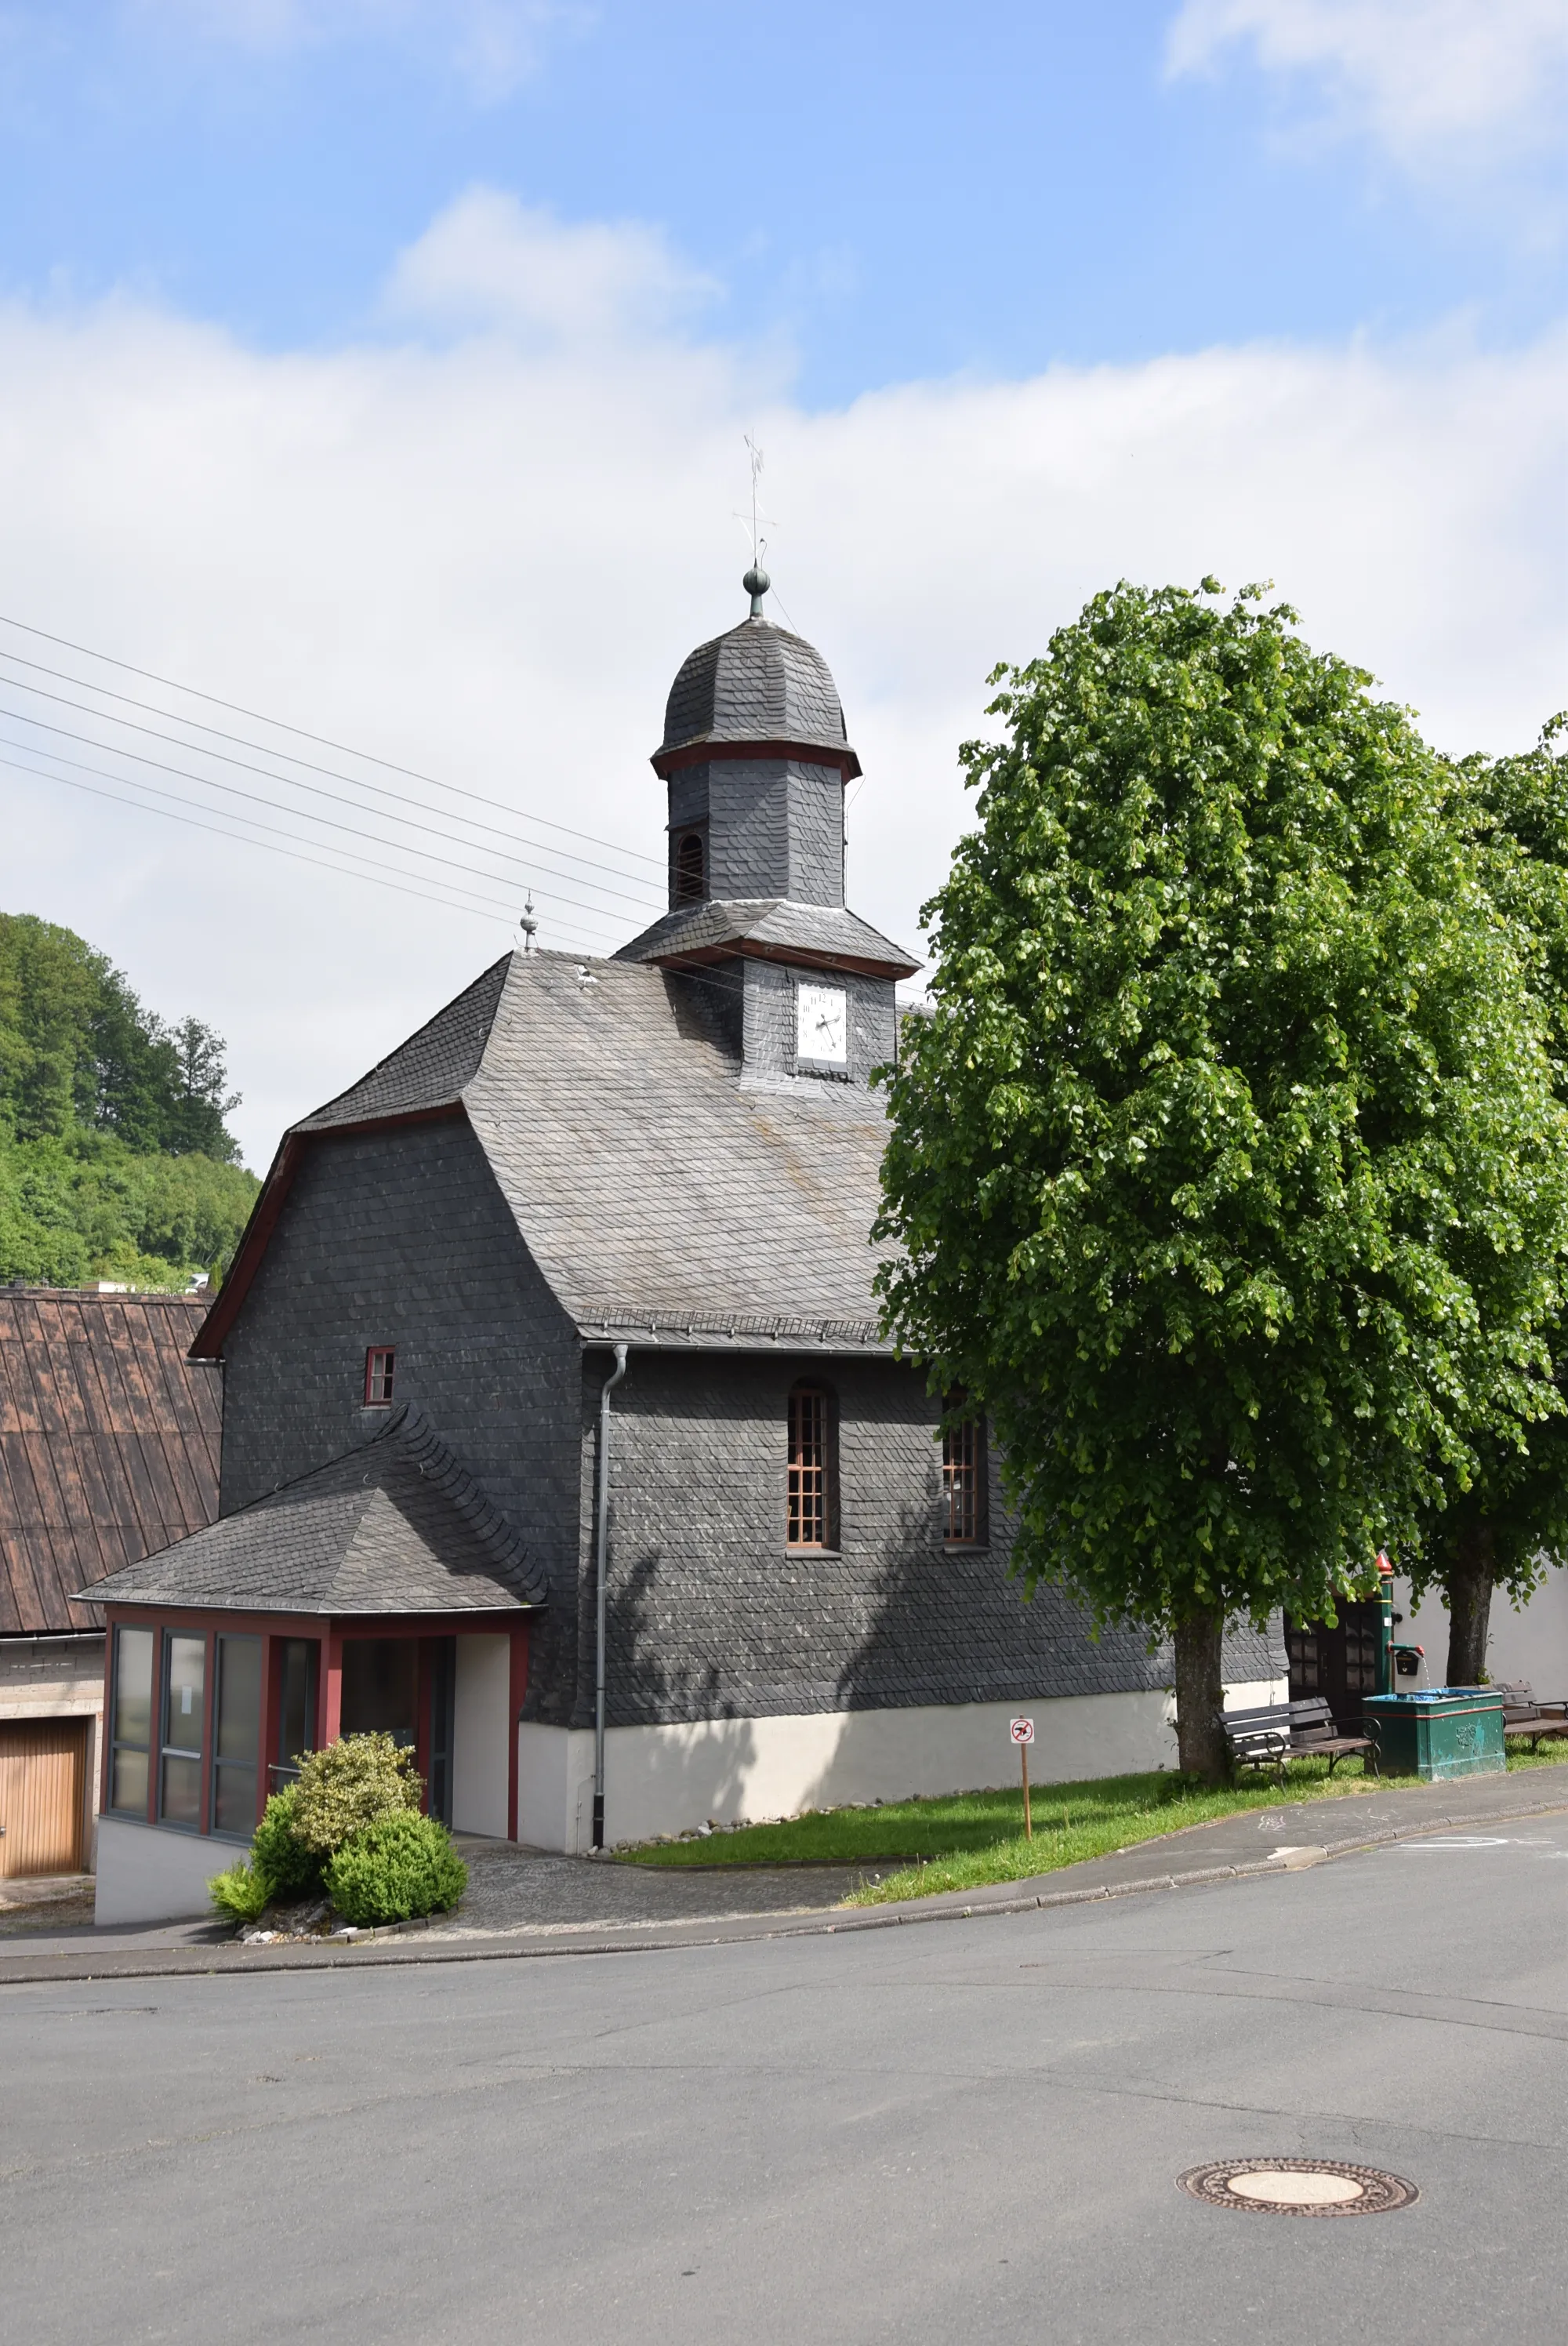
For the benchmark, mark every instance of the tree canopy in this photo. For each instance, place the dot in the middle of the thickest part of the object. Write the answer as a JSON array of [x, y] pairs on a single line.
[[1229, 1170], [77, 1051], [1496, 1523], [115, 1159]]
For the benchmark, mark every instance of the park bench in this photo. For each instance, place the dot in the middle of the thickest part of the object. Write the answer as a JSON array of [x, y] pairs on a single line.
[[1278, 1731], [1525, 1719]]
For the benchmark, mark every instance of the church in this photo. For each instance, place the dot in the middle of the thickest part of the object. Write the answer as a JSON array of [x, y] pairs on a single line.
[[560, 1436]]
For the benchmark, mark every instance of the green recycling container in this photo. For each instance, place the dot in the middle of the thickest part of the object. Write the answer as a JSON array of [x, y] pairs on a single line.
[[1442, 1732]]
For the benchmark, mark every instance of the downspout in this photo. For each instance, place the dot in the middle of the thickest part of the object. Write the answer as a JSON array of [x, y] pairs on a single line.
[[600, 1574]]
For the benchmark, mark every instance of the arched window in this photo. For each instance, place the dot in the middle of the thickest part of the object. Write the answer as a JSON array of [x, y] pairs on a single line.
[[690, 876], [812, 1478]]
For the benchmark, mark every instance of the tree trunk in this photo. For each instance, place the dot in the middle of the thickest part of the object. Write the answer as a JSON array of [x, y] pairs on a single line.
[[1470, 1580], [1201, 1696]]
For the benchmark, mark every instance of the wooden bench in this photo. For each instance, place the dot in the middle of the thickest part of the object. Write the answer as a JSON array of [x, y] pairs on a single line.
[[1525, 1719], [1278, 1731]]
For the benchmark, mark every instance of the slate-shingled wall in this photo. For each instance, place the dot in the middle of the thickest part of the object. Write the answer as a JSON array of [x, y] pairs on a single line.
[[711, 1615], [402, 1238]]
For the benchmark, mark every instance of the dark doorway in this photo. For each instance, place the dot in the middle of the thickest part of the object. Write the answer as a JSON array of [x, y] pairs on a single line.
[[443, 1703], [381, 1687], [1341, 1663]]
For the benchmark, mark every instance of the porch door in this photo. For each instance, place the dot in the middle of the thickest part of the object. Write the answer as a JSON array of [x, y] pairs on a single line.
[[442, 1711], [42, 1780], [1341, 1663]]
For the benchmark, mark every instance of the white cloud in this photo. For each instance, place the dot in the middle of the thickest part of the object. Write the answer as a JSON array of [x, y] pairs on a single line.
[[1421, 75], [486, 558], [489, 263], [494, 46]]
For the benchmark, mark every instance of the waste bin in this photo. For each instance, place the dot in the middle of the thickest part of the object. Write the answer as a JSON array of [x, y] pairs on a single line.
[[1442, 1731]]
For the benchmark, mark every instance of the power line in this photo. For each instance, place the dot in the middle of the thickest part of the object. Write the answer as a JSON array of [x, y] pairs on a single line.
[[233, 790], [195, 725], [715, 981], [529, 863], [321, 740]]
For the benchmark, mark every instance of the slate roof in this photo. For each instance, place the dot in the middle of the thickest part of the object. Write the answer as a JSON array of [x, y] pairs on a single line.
[[396, 1525], [758, 683], [657, 1191], [109, 1445], [827, 933]]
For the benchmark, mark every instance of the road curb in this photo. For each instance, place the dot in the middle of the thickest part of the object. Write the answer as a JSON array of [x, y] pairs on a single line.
[[231, 1960]]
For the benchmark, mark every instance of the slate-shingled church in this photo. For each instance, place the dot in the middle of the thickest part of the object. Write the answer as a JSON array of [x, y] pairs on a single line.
[[675, 1151]]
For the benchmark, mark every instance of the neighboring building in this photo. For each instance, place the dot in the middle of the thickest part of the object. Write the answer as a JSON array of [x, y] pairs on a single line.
[[1527, 1642], [108, 1449], [676, 1151]]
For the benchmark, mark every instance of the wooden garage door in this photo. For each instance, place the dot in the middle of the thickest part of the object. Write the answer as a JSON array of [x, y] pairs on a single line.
[[42, 1771]]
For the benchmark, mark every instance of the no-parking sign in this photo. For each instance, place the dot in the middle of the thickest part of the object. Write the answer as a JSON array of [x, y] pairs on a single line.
[[1022, 1730]]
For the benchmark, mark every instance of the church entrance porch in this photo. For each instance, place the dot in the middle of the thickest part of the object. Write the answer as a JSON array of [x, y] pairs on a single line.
[[208, 1713]]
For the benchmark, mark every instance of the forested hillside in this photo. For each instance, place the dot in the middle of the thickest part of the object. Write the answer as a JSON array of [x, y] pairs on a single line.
[[115, 1161]]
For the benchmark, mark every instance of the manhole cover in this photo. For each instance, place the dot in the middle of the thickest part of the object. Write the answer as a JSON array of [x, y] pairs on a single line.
[[1297, 2187]]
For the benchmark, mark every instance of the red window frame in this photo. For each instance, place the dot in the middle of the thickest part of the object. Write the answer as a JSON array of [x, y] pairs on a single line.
[[963, 1483], [380, 1364], [811, 1480]]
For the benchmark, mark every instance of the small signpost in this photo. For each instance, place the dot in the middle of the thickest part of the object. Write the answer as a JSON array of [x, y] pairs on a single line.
[[1023, 1733]]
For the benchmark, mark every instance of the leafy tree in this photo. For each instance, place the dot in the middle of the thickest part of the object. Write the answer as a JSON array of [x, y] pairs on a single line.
[[1495, 1526], [115, 1161], [77, 1049], [1227, 1172]]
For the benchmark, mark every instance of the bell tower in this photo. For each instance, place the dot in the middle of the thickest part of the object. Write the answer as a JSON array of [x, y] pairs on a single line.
[[754, 760]]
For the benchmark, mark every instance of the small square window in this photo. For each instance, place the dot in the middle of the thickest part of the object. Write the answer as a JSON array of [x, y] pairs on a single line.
[[379, 1364]]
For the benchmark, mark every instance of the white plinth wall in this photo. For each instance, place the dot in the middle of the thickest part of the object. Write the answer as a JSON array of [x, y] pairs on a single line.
[[1530, 1642], [669, 1780]]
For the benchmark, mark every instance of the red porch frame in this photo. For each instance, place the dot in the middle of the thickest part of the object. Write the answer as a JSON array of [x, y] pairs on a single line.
[[329, 1633]]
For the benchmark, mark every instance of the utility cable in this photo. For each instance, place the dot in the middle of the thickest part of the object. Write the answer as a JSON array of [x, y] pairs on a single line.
[[321, 740], [192, 724], [233, 790], [529, 863]]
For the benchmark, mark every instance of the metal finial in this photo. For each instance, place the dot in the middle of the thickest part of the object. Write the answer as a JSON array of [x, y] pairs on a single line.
[[756, 582], [528, 924]]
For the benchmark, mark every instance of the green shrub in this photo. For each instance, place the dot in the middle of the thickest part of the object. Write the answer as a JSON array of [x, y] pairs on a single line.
[[277, 1854], [351, 1784], [401, 1866], [240, 1892]]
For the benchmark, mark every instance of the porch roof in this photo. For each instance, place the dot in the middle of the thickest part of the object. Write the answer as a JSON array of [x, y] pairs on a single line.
[[396, 1525]]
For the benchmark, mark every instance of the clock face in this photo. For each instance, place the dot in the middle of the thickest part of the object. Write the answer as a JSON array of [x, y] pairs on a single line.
[[822, 1024]]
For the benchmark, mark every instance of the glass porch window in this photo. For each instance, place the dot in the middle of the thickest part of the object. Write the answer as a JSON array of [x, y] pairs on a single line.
[[184, 1718], [238, 1741], [130, 1722], [809, 1468], [297, 1665]]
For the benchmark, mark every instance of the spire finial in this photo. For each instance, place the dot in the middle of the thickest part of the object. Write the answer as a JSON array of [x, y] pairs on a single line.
[[756, 582]]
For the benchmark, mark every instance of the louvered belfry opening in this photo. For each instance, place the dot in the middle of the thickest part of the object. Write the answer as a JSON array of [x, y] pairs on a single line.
[[690, 877], [809, 1468]]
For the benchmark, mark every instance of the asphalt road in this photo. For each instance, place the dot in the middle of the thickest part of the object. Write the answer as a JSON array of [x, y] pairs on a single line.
[[965, 2132]]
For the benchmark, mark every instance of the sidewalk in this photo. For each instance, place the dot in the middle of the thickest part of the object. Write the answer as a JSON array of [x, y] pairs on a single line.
[[524, 1903]]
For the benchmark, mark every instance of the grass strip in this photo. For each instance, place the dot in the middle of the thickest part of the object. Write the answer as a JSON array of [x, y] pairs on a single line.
[[964, 1840]]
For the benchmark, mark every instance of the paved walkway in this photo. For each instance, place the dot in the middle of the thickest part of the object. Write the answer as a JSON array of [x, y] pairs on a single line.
[[525, 1902]]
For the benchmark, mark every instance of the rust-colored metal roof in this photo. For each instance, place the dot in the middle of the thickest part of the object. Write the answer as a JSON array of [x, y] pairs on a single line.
[[109, 1445]]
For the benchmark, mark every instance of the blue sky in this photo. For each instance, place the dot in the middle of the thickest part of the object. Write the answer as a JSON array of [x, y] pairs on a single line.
[[386, 367], [897, 191]]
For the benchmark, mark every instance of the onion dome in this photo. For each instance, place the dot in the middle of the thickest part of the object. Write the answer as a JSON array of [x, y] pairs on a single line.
[[756, 692]]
